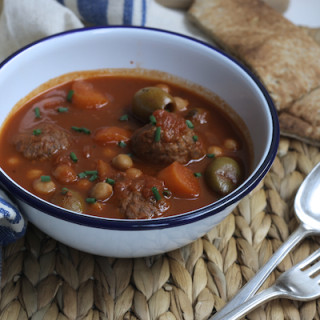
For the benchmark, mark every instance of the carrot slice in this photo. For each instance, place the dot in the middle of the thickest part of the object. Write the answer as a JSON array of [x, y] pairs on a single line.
[[111, 135], [85, 96], [180, 180]]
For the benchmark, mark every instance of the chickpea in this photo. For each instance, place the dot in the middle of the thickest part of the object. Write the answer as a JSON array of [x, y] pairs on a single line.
[[101, 191], [133, 173], [231, 144], [64, 173], [109, 152], [43, 187], [34, 174], [122, 161], [13, 161], [181, 104], [84, 184], [217, 151]]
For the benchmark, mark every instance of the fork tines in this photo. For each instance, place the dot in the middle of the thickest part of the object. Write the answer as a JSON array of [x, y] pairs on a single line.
[[311, 264]]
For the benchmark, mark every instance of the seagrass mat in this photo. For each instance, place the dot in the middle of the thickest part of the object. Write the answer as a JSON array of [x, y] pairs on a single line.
[[44, 279]]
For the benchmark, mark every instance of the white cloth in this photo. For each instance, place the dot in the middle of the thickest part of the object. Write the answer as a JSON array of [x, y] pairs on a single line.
[[25, 21], [22, 22]]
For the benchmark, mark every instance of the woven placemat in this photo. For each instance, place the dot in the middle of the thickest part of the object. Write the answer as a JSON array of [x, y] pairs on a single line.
[[44, 279]]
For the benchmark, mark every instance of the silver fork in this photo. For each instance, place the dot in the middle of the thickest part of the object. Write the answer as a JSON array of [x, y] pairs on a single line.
[[301, 282]]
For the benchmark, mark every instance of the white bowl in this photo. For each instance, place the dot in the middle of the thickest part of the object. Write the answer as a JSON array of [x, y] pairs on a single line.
[[130, 47]]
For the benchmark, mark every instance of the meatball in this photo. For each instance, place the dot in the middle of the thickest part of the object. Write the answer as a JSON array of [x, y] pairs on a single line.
[[43, 142], [169, 140], [137, 199]]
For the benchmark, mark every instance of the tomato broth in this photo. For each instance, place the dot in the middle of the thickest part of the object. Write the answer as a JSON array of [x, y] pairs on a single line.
[[63, 145]]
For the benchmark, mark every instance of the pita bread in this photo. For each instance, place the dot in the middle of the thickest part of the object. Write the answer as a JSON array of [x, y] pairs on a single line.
[[313, 33], [302, 119], [273, 47], [284, 56]]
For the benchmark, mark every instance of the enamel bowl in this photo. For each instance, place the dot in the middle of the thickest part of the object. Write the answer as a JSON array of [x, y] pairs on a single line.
[[132, 47]]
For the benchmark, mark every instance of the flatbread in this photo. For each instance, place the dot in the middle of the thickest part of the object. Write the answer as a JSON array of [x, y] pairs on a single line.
[[284, 56], [312, 32], [302, 119]]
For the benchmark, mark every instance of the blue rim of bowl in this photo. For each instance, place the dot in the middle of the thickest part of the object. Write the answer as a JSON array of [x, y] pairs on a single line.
[[164, 222]]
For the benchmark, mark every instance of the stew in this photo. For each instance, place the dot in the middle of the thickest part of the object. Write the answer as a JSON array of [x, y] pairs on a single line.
[[124, 147]]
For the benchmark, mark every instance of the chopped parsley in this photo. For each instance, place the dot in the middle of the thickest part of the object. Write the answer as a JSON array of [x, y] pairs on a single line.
[[45, 178], [122, 144], [62, 109], [37, 132], [70, 95], [91, 172], [73, 157], [110, 181], [81, 130], [82, 175], [64, 190], [93, 177], [189, 124], [124, 117], [157, 134], [156, 193], [91, 200], [167, 193], [153, 119], [37, 112]]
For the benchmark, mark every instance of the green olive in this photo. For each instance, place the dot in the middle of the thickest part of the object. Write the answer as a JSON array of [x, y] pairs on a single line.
[[223, 175], [149, 99], [70, 200]]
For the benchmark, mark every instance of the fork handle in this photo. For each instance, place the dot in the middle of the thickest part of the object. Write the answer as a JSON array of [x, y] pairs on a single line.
[[254, 284], [254, 302]]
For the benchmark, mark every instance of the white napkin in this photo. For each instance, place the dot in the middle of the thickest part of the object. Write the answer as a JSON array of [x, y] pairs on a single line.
[[22, 22]]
